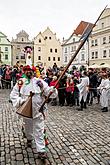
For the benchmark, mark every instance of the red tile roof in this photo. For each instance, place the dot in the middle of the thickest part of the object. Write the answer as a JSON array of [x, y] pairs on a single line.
[[81, 27]]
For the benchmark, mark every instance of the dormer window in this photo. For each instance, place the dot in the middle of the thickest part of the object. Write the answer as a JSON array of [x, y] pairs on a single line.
[[73, 39], [22, 39], [102, 25], [39, 40], [45, 37]]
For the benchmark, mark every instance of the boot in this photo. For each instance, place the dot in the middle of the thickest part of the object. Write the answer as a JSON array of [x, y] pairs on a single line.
[[42, 155], [105, 109], [85, 105], [77, 102], [80, 109]]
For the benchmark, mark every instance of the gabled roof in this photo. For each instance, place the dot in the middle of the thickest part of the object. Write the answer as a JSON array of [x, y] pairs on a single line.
[[79, 30], [22, 33], [2, 34], [81, 27]]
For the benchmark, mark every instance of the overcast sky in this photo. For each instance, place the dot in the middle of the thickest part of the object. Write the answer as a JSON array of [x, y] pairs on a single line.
[[33, 16]]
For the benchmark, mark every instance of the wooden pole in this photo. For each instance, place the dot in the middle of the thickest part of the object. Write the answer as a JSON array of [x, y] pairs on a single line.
[[82, 42]]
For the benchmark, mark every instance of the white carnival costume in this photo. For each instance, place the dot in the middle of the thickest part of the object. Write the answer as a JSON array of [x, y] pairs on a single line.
[[33, 127], [104, 88], [83, 88]]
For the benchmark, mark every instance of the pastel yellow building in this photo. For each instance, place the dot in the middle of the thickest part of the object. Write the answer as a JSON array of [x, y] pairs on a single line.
[[47, 49]]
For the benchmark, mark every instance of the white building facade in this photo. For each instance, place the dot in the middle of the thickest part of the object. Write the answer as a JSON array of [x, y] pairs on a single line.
[[70, 46], [99, 49], [5, 50]]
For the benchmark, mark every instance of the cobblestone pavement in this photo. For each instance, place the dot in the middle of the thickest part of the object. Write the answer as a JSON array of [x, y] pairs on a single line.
[[76, 137]]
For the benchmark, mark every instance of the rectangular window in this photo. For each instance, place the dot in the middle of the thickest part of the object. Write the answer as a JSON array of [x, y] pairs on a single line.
[[92, 55], [109, 52], [58, 58], [48, 58], [39, 49], [109, 39], [104, 53], [65, 50], [72, 49], [96, 42], [6, 48], [53, 58], [82, 57], [51, 50], [39, 57], [6, 56], [96, 54], [18, 46], [104, 40], [55, 50], [92, 43], [23, 57], [65, 59], [17, 57]]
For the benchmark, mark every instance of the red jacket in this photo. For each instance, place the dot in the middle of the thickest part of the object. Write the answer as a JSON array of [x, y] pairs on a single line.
[[53, 82], [70, 87]]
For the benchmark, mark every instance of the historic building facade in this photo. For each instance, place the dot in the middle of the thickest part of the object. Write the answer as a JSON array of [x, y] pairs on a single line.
[[70, 45], [18, 45], [99, 49], [47, 49], [5, 50]]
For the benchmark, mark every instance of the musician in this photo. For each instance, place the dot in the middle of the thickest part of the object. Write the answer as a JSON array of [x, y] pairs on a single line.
[[34, 128]]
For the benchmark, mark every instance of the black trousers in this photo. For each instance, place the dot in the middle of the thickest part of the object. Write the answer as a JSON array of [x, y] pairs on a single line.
[[61, 96]]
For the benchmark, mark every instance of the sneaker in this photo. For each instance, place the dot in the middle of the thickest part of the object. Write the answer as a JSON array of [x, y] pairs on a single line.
[[42, 155]]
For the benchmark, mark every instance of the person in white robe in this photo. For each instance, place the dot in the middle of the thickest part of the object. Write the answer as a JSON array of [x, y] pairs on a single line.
[[104, 88], [34, 128], [83, 90]]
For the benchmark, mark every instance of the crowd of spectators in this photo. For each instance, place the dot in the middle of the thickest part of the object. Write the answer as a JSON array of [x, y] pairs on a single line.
[[68, 93]]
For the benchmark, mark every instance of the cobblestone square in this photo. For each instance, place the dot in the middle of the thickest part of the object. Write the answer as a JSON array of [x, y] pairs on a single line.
[[75, 137]]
